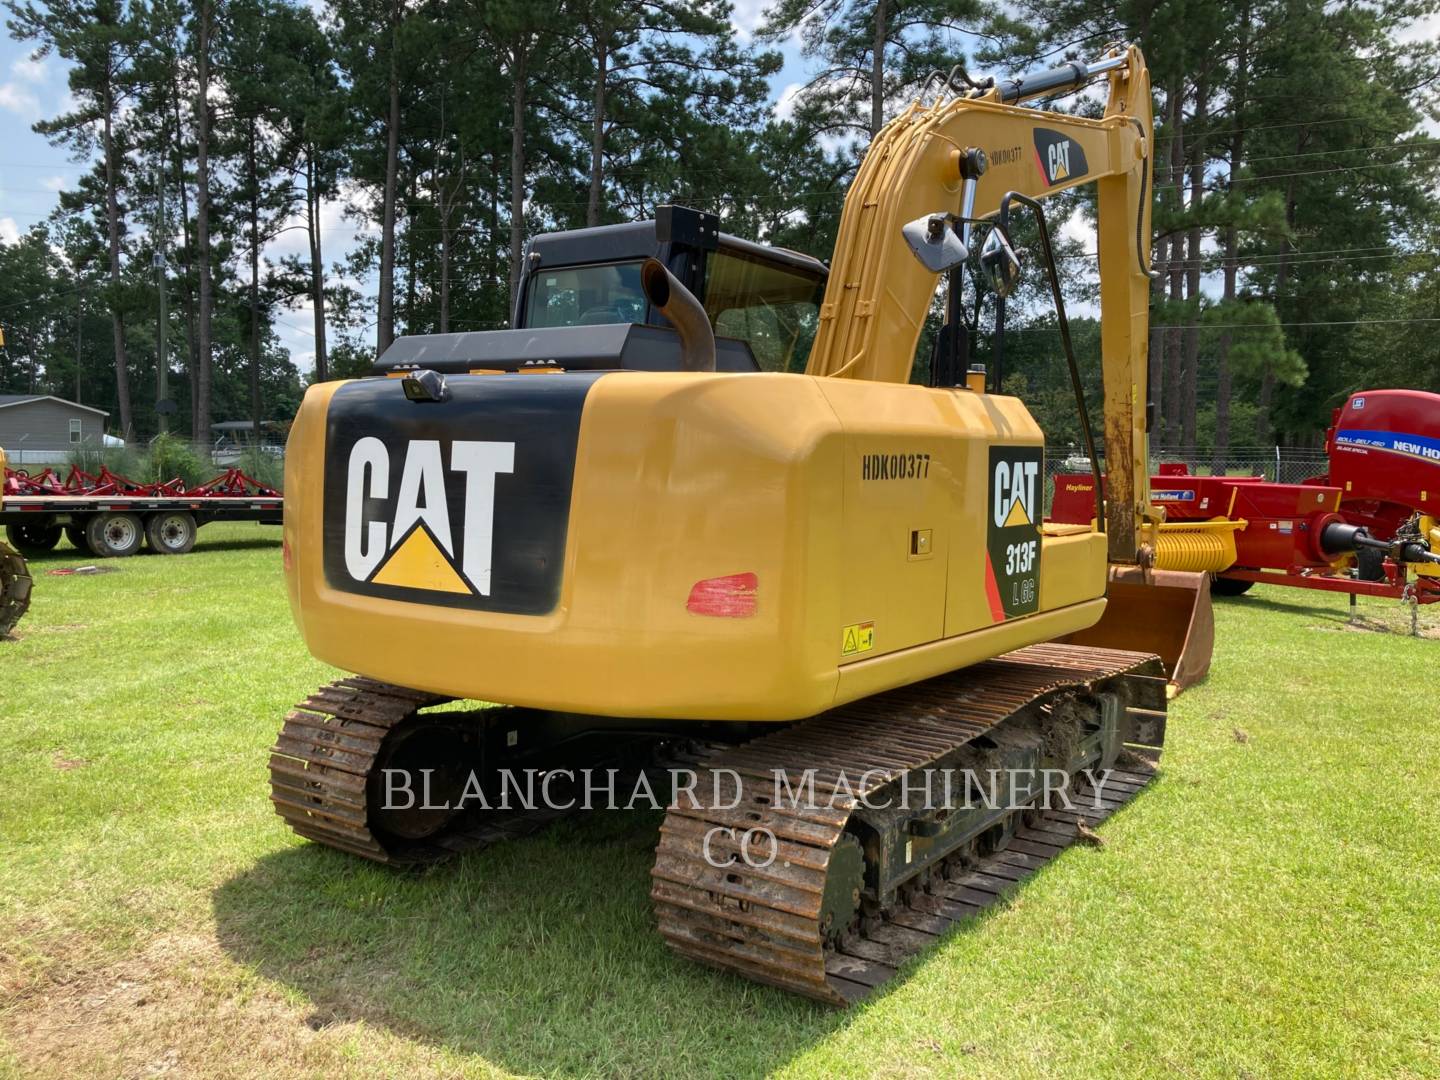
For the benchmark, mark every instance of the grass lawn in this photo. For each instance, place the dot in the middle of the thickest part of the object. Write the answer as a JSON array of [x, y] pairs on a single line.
[[1270, 908]]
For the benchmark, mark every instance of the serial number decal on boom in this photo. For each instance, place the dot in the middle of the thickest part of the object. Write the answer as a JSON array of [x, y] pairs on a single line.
[[461, 504], [894, 466], [1012, 549]]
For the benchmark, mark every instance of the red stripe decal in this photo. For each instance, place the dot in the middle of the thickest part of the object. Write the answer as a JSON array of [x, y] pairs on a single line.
[[992, 592], [1039, 164]]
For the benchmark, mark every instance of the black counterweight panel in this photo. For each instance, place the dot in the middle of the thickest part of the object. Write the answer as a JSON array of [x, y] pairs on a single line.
[[462, 503]]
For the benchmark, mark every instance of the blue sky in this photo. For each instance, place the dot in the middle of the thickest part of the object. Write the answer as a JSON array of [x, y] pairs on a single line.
[[32, 171]]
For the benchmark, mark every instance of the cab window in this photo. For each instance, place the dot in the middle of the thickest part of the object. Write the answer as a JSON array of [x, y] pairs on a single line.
[[586, 296], [773, 308]]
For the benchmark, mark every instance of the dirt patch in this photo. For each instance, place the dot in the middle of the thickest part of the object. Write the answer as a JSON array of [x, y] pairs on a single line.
[[65, 764], [180, 1007], [1399, 627]]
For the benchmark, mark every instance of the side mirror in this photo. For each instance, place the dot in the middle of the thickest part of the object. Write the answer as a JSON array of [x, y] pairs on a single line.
[[934, 243], [1000, 263]]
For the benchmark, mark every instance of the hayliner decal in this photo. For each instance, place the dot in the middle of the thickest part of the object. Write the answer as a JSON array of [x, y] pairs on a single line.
[[463, 503], [1012, 534], [1059, 157]]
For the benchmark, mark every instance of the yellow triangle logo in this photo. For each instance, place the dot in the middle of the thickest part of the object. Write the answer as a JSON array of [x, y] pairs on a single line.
[[1017, 515], [1060, 173], [419, 563]]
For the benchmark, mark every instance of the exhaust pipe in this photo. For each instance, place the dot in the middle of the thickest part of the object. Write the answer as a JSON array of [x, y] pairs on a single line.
[[678, 304]]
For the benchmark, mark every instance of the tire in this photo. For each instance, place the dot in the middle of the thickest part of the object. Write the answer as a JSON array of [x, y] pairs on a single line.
[[1370, 564], [171, 532], [1224, 586], [113, 536], [75, 533], [34, 537]]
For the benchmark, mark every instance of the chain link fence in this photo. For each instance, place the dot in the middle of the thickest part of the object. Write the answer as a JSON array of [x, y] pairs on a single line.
[[1285, 465]]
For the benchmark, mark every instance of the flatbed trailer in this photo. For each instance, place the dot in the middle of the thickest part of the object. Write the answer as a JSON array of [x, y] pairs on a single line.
[[38, 511]]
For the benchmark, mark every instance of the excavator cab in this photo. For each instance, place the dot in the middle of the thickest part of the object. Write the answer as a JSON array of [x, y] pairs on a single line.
[[763, 303], [582, 304]]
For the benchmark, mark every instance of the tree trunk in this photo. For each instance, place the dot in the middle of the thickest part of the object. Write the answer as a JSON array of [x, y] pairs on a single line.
[[1232, 245], [187, 290], [385, 322], [597, 131], [317, 265], [494, 231], [202, 222], [112, 224], [411, 283], [877, 72], [253, 167], [1155, 361], [1263, 432], [1173, 348], [517, 166], [1191, 376]]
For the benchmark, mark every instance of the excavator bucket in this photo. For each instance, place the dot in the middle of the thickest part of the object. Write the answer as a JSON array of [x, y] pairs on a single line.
[[1166, 612]]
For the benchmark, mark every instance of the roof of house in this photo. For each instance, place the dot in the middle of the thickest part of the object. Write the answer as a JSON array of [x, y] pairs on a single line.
[[6, 400]]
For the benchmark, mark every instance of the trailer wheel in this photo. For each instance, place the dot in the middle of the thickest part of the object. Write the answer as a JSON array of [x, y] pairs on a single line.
[[114, 535], [1224, 586], [75, 533], [171, 532], [33, 537], [1369, 564]]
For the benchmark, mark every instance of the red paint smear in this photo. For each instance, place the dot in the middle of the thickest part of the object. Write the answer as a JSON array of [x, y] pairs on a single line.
[[992, 592], [731, 597]]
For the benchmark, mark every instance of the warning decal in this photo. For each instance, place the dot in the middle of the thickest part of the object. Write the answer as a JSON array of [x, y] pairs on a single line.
[[857, 638], [1012, 548]]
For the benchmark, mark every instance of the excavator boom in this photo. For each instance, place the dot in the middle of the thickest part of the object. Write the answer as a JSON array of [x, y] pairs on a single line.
[[878, 295]]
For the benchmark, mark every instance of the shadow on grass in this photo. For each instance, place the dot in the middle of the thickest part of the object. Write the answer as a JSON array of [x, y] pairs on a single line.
[[65, 555], [539, 955], [272, 539], [1333, 614]]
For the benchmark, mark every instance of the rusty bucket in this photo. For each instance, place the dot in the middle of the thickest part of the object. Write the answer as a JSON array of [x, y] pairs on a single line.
[[1166, 612]]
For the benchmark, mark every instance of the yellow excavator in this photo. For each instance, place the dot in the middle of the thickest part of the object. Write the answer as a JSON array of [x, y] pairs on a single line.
[[15, 578], [636, 524]]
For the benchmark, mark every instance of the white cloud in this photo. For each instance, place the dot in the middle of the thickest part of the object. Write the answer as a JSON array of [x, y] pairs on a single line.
[[1425, 28], [747, 17], [785, 105], [1078, 227], [54, 183], [15, 98], [9, 231], [28, 69]]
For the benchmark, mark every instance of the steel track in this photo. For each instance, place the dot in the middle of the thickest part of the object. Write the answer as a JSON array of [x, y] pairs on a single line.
[[766, 924], [321, 763]]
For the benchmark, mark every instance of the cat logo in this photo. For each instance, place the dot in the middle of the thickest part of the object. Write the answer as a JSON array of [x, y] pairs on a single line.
[[1012, 535], [416, 548], [1013, 491], [1059, 158]]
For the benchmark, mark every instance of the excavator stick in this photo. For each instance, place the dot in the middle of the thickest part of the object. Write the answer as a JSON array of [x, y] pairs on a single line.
[[1166, 612]]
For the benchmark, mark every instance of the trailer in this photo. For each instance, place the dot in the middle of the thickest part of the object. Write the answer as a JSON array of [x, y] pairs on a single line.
[[1368, 526], [111, 516]]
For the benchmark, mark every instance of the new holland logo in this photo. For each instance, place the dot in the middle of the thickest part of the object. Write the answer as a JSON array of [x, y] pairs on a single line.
[[416, 548], [1059, 157], [1012, 542]]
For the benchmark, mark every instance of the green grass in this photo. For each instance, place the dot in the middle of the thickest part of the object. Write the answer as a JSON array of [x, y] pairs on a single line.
[[1269, 908]]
